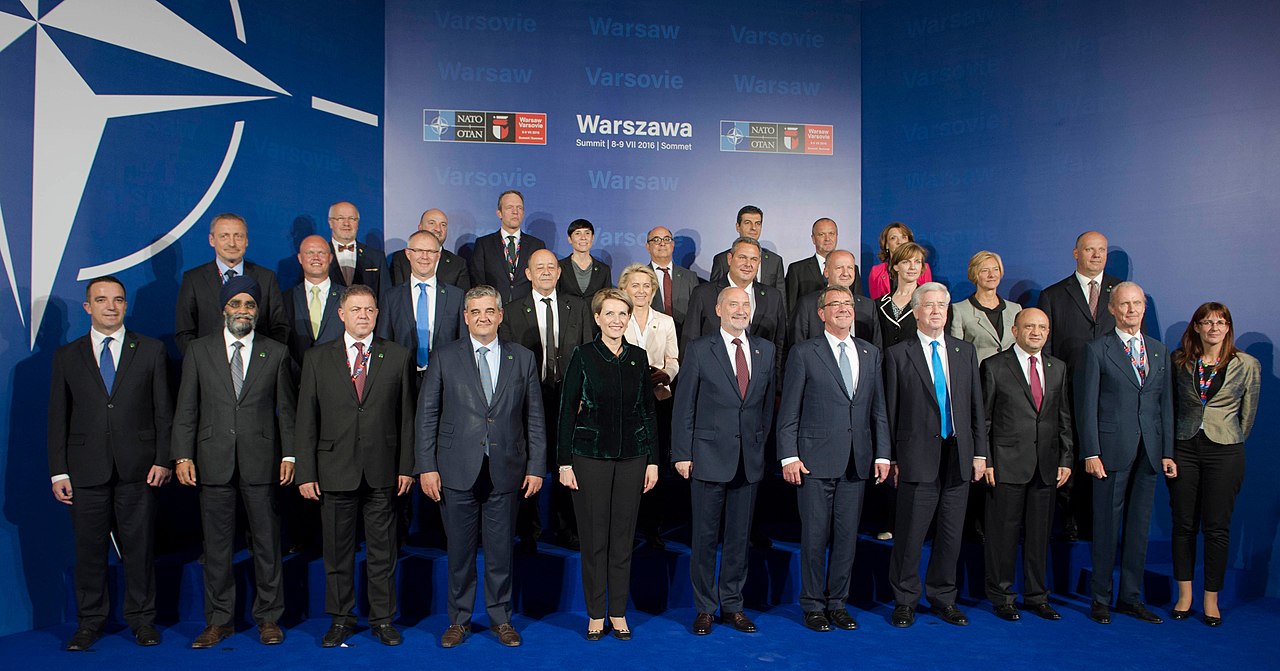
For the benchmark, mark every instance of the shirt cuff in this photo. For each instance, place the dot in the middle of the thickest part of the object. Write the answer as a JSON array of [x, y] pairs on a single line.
[[978, 457], [1093, 457], [882, 461], [289, 459], [790, 460], [59, 477]]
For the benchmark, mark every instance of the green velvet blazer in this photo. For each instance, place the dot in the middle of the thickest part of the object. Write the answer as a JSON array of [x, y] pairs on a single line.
[[606, 405]]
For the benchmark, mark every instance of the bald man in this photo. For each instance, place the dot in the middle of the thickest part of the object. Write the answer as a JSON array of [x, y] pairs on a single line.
[[353, 263], [451, 269], [809, 275], [839, 269], [675, 283], [312, 305]]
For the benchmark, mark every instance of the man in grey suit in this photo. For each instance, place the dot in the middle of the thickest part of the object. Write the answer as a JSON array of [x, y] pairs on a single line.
[[233, 434], [833, 436], [749, 224], [675, 283], [723, 391], [481, 442], [1124, 416]]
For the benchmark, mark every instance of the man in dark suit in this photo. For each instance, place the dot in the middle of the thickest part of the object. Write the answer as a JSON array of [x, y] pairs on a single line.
[[423, 312], [833, 436], [726, 389], [110, 415], [840, 271], [527, 322], [451, 269], [233, 434], [809, 275], [198, 312], [768, 313], [481, 442], [499, 259], [675, 283], [934, 393], [353, 263], [355, 451], [1024, 396], [312, 305], [1077, 310], [1124, 417], [749, 224]]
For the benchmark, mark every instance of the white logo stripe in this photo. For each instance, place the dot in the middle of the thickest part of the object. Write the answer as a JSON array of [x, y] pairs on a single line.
[[8, 267], [338, 109]]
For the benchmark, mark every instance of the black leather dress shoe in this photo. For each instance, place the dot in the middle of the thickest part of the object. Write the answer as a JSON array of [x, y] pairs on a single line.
[[702, 624], [1043, 610], [336, 636], [817, 621], [387, 634], [83, 639], [1139, 611], [741, 622], [903, 616], [1008, 612], [146, 636], [842, 619], [951, 615], [1180, 614], [1100, 613]]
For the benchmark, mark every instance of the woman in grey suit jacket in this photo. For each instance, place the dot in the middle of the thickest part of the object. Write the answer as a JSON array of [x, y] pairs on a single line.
[[984, 319], [1215, 402]]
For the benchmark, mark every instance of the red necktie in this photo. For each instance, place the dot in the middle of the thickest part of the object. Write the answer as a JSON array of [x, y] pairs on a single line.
[[361, 371], [666, 291], [1037, 392], [740, 362]]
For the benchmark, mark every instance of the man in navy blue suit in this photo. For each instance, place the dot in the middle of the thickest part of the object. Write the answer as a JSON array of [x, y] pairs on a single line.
[[312, 305], [423, 312], [833, 436], [499, 259], [481, 442], [1124, 416], [725, 390]]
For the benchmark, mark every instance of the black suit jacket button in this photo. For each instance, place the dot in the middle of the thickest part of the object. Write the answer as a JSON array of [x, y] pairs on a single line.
[[233, 432]]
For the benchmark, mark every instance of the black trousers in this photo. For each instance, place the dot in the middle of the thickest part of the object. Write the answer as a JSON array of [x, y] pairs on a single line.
[[654, 505], [469, 515], [945, 498], [1012, 510], [132, 505], [339, 516], [1122, 504], [736, 501], [218, 520], [1202, 498], [560, 517], [829, 513], [606, 502]]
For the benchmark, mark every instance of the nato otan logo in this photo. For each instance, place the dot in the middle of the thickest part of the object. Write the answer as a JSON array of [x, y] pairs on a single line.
[[484, 127], [770, 137]]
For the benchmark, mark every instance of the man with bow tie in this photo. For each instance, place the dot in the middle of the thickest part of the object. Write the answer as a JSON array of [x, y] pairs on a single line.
[[353, 262]]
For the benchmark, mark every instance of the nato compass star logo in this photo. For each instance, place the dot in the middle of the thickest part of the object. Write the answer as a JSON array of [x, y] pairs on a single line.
[[439, 125], [69, 118]]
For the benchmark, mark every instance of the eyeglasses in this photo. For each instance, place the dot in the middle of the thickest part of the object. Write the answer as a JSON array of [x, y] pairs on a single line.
[[934, 306], [839, 304], [352, 220], [1210, 323], [237, 304], [663, 240], [422, 252]]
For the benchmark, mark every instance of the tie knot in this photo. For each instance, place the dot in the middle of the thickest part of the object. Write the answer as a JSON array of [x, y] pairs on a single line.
[[737, 341], [359, 347], [107, 340], [315, 291], [422, 287], [665, 269], [237, 345], [1032, 359], [547, 301], [482, 351], [1093, 283], [843, 345], [934, 345]]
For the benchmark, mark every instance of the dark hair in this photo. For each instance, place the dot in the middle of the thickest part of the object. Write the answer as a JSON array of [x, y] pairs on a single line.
[[1193, 348], [357, 290], [504, 194], [884, 238], [750, 209], [578, 224], [99, 280]]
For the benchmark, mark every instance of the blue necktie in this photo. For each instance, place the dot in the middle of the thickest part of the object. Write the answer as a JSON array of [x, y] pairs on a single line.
[[107, 365], [486, 378], [846, 370], [940, 390], [424, 324]]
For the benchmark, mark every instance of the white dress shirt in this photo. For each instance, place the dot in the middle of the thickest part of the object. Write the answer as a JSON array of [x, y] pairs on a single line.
[[926, 344], [1084, 288], [850, 352], [323, 285], [346, 258], [116, 347], [822, 264], [245, 351], [540, 309]]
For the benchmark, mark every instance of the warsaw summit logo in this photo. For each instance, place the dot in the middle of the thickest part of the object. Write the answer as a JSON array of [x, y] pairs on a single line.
[[69, 118], [776, 138], [489, 127]]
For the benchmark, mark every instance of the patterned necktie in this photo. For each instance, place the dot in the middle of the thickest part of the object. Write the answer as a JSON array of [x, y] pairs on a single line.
[[846, 370], [347, 248], [940, 391], [666, 290], [226, 277], [315, 311], [549, 343], [513, 255], [486, 377], [1037, 391], [740, 363], [107, 365], [359, 372], [237, 368], [1138, 355], [1093, 299], [423, 315]]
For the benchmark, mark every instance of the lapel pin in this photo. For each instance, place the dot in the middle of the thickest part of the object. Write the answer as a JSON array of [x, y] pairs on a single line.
[[262, 355], [633, 363], [510, 358], [379, 355], [528, 309], [957, 349], [133, 345]]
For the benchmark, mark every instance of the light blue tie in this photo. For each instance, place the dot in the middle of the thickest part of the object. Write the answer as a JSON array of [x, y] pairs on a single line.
[[107, 365], [940, 391], [424, 324], [486, 377], [846, 370]]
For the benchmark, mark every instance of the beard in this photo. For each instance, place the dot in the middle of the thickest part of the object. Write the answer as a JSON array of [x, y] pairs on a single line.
[[240, 329]]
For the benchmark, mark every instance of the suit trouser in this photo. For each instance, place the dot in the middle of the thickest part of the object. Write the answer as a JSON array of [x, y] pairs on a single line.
[[1122, 504], [133, 505], [218, 519], [560, 502], [1010, 510], [1203, 497], [339, 514], [918, 502], [736, 500], [829, 513], [470, 514], [606, 503]]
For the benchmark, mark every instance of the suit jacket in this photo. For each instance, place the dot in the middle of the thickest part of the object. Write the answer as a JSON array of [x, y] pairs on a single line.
[[894, 331], [601, 277], [1070, 326], [683, 282], [451, 269], [223, 434], [914, 417], [299, 314], [343, 440], [805, 277], [661, 346], [488, 264], [1228, 417], [94, 432], [456, 426], [370, 268], [806, 324], [573, 321], [1114, 414], [1024, 440], [711, 424], [768, 322], [835, 436], [198, 313], [971, 324], [770, 272], [398, 323], [607, 405]]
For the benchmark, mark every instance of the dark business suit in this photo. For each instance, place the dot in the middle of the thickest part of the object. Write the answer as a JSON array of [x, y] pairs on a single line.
[[398, 322], [482, 451], [1027, 447], [355, 449], [837, 433], [683, 282], [199, 312], [370, 269], [451, 269], [236, 445], [770, 272], [488, 264], [933, 472], [768, 321], [297, 301], [107, 441], [805, 277], [1129, 425], [601, 277], [894, 330], [708, 410], [806, 324]]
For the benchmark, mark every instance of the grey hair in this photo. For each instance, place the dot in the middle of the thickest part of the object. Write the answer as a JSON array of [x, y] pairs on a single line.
[[482, 291], [918, 294], [1125, 285]]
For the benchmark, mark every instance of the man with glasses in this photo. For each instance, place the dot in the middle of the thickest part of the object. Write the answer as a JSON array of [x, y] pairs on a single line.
[[675, 284], [451, 269], [353, 263], [422, 312]]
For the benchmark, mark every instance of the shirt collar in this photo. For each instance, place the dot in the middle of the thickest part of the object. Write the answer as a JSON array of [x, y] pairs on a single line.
[[657, 267], [228, 338], [476, 344], [835, 342], [925, 340], [728, 338], [537, 297], [96, 337], [223, 268], [351, 341], [323, 285], [1023, 355], [414, 281], [1125, 337], [337, 244], [1084, 281]]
